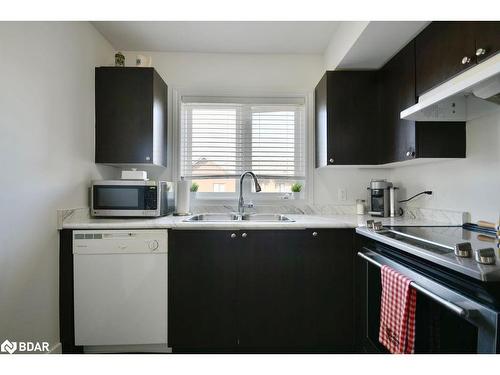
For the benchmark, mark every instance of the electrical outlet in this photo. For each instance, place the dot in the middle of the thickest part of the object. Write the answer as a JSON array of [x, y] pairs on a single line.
[[342, 195]]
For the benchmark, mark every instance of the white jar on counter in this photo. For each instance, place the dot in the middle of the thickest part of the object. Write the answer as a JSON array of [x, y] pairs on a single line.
[[360, 206]]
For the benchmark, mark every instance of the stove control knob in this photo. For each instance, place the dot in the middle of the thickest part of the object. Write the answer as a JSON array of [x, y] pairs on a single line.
[[485, 256], [153, 245], [463, 250]]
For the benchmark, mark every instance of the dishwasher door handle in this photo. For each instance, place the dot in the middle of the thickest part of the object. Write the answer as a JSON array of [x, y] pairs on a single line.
[[449, 305]]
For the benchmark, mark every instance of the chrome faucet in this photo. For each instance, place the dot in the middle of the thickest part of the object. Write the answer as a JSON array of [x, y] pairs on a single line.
[[241, 202]]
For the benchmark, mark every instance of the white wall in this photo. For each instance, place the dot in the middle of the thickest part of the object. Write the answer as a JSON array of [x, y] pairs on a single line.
[[468, 184], [328, 181], [47, 148], [471, 184], [46, 158], [260, 74], [216, 72], [232, 74]]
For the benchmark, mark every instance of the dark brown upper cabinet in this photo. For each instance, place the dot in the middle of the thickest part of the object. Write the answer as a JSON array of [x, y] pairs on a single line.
[[346, 107], [443, 49], [447, 48], [487, 39], [358, 118], [397, 92], [131, 116], [404, 139]]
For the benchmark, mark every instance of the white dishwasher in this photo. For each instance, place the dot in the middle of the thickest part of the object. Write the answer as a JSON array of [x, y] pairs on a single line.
[[120, 288]]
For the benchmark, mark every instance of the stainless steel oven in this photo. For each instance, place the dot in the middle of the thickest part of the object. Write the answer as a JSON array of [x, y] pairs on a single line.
[[455, 313], [131, 198]]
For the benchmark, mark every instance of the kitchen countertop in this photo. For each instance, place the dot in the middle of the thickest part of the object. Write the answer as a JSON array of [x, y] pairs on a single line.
[[81, 220]]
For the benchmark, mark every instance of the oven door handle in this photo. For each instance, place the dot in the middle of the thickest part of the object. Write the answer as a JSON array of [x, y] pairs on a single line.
[[449, 305]]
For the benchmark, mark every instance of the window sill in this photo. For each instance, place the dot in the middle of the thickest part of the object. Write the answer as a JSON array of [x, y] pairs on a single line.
[[257, 197], [232, 204]]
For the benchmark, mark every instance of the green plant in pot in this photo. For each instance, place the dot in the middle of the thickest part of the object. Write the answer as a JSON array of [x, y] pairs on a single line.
[[193, 189], [296, 189]]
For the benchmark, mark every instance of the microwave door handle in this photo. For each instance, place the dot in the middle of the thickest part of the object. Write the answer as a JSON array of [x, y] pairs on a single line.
[[449, 305]]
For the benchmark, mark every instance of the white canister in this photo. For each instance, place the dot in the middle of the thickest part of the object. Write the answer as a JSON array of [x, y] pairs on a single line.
[[360, 206], [143, 61]]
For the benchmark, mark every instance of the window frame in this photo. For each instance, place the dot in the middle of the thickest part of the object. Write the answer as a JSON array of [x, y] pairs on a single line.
[[230, 197]]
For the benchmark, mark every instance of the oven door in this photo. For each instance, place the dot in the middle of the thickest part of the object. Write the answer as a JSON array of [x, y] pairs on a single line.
[[124, 200], [446, 321]]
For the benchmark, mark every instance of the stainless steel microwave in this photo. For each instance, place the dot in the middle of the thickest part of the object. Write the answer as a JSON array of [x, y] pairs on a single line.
[[131, 198]]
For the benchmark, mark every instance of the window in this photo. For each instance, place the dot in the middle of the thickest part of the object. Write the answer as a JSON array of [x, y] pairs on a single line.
[[280, 187], [223, 137], [219, 188]]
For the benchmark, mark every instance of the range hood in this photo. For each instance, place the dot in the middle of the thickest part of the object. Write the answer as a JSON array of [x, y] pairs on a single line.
[[471, 94]]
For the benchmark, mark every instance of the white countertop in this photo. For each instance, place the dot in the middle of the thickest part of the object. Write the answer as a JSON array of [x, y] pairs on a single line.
[[81, 221]]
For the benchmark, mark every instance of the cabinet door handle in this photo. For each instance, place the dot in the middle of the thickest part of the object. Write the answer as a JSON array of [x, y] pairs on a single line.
[[480, 51], [233, 235], [465, 60], [148, 158], [331, 160], [315, 234], [244, 235]]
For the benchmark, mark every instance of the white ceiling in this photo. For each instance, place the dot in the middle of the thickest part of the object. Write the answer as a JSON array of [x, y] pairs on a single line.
[[303, 37]]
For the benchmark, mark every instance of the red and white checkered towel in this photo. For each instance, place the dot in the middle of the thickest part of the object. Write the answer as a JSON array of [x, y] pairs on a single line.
[[397, 312]]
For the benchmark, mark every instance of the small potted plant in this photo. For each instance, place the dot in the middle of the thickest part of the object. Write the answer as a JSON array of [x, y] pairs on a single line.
[[193, 189], [296, 189]]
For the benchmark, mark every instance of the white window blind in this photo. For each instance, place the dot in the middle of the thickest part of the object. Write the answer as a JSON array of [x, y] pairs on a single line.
[[223, 137]]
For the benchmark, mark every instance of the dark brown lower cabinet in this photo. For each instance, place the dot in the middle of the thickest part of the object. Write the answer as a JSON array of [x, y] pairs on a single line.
[[291, 291], [202, 283], [329, 289], [66, 294], [270, 290]]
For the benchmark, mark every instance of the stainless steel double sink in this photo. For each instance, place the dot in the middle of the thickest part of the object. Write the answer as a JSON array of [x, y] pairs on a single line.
[[230, 217]]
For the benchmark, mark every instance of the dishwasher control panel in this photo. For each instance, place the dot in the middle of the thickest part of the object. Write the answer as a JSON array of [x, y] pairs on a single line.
[[120, 241]]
